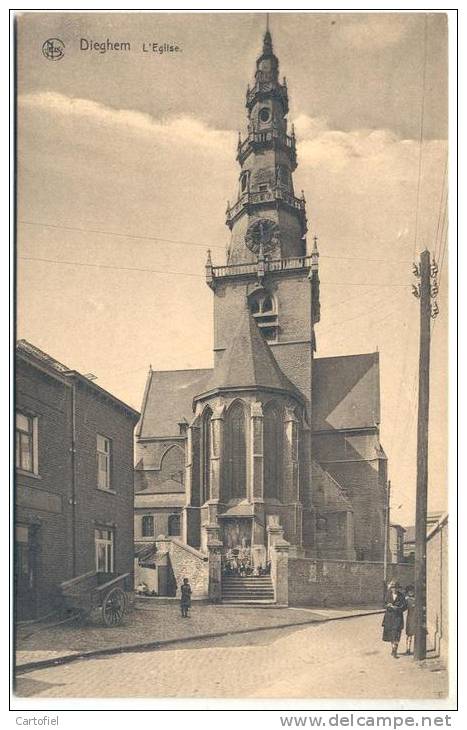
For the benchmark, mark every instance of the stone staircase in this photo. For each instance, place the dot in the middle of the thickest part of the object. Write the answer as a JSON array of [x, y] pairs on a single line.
[[248, 589]]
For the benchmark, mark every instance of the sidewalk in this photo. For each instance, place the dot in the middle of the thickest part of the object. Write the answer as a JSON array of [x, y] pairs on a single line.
[[149, 626]]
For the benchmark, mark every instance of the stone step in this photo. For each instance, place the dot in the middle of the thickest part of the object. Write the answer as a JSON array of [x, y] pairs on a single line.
[[265, 592], [246, 582], [269, 594], [246, 586], [247, 589], [246, 602], [246, 579]]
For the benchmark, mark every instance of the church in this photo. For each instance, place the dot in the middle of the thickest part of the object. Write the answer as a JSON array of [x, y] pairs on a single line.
[[272, 440]]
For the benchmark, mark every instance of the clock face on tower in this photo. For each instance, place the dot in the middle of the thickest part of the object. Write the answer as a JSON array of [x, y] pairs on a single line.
[[263, 231]]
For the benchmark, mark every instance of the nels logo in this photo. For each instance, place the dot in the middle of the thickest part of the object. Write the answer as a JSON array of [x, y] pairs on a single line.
[[53, 49]]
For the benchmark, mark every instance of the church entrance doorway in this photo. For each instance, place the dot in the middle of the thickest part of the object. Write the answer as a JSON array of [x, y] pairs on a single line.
[[237, 546], [237, 533]]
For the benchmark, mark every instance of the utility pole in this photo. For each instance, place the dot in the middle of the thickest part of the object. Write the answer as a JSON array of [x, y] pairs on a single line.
[[424, 291], [387, 529]]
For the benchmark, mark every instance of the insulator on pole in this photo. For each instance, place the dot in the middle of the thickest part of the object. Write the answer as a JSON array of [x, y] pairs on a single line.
[[434, 289], [434, 269], [415, 270], [416, 290], [434, 310]]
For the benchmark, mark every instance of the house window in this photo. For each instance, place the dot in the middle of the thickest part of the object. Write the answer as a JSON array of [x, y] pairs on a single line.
[[104, 543], [147, 526], [174, 525], [103, 462], [26, 442]]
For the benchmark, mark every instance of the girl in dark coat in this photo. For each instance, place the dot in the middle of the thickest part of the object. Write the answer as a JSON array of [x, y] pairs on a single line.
[[393, 621], [185, 597]]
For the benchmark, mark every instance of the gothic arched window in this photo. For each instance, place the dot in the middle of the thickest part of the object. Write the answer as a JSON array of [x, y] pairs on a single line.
[[173, 468], [206, 456], [272, 453], [264, 309], [235, 450]]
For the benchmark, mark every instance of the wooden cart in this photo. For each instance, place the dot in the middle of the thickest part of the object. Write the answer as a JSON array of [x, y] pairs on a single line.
[[104, 591]]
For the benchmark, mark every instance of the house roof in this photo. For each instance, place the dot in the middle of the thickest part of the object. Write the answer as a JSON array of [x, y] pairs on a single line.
[[42, 360], [248, 362], [345, 392], [168, 399], [433, 521]]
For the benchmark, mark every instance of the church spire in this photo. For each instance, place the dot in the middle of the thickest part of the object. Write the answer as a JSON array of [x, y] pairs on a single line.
[[267, 44], [275, 218]]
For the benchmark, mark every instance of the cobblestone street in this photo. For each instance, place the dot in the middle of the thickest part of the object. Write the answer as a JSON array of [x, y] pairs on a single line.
[[149, 622], [338, 659]]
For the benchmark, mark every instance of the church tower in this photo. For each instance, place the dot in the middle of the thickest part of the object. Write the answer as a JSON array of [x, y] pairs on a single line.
[[267, 264], [266, 211], [248, 470], [279, 449]]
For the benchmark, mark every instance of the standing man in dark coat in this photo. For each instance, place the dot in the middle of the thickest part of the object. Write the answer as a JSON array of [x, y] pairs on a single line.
[[185, 597], [393, 621]]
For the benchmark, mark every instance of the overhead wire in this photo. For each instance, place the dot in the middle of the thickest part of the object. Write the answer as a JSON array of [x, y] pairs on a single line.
[[181, 273], [191, 243]]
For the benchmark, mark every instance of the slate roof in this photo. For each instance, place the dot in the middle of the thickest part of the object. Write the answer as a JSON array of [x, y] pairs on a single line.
[[345, 392], [334, 498], [248, 362], [168, 399], [38, 358]]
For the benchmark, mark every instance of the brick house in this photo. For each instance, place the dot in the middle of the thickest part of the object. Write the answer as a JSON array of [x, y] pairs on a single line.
[[74, 480], [396, 544]]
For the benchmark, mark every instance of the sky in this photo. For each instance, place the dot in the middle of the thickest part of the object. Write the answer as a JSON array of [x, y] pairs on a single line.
[[137, 151]]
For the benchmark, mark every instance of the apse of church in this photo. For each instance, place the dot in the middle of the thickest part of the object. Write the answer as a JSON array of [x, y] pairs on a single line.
[[279, 444]]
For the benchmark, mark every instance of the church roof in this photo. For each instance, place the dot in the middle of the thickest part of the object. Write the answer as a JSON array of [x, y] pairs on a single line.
[[346, 392], [249, 363], [328, 494], [168, 398]]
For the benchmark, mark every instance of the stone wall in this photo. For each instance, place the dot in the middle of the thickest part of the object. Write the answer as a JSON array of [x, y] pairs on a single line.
[[341, 582], [186, 562], [438, 588]]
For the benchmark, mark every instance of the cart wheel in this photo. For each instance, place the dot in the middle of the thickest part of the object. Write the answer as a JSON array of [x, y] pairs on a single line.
[[114, 606]]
